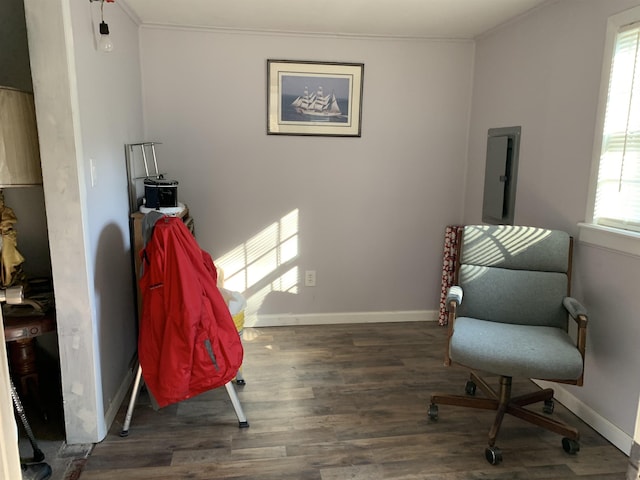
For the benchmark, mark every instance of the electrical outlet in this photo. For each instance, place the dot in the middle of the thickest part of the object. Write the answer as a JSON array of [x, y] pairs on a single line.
[[310, 278]]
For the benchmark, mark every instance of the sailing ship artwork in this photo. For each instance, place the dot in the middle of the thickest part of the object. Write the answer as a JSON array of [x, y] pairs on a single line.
[[317, 104], [314, 99]]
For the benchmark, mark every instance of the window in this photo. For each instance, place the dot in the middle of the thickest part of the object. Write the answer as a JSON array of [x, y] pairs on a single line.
[[617, 201], [615, 196]]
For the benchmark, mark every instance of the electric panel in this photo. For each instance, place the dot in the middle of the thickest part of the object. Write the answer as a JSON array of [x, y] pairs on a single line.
[[500, 176]]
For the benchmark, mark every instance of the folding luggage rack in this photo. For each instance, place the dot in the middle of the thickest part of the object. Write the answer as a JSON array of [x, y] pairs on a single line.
[[137, 385], [134, 175]]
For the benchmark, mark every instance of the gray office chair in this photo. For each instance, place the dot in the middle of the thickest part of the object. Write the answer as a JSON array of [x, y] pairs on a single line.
[[508, 315]]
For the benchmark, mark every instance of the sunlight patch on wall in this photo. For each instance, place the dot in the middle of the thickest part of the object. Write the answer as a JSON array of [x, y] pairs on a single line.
[[264, 263]]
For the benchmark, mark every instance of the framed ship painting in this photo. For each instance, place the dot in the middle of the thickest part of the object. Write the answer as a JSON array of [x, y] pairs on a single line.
[[314, 98]]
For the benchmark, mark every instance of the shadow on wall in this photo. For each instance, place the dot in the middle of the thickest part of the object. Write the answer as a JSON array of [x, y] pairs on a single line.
[[265, 267], [114, 290], [278, 302]]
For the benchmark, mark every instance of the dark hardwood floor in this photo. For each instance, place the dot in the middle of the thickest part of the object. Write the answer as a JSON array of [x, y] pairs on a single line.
[[341, 402]]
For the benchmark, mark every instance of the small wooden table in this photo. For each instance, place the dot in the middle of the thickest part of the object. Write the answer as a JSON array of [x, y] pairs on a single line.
[[20, 333]]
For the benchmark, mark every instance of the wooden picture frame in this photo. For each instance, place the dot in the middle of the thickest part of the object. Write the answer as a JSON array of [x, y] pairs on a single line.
[[314, 98]]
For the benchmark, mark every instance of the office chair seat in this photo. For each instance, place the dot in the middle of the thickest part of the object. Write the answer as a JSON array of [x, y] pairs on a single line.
[[515, 350]]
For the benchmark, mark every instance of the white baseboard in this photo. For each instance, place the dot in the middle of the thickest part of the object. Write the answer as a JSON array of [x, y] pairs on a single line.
[[286, 319], [604, 427]]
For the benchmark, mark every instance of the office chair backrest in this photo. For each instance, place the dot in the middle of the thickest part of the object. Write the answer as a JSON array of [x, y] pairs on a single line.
[[514, 274]]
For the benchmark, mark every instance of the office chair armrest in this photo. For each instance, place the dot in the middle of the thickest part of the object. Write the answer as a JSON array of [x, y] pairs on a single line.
[[574, 307], [576, 310], [454, 298], [579, 314], [454, 295]]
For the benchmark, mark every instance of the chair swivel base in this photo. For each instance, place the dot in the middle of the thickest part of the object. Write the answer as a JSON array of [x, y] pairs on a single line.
[[503, 403]]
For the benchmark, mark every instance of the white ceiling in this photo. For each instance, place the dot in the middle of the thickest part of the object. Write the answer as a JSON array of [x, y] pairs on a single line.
[[464, 19]]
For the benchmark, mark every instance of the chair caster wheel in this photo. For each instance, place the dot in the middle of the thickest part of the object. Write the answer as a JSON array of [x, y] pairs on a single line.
[[570, 446], [493, 455], [433, 411], [548, 407], [470, 388]]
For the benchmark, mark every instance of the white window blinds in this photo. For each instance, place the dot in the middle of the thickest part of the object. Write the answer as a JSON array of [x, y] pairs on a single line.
[[617, 201]]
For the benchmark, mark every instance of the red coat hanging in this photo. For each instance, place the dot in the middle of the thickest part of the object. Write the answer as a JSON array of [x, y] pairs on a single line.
[[188, 343]]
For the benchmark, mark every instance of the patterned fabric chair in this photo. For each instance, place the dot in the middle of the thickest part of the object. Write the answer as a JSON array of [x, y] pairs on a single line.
[[509, 313]]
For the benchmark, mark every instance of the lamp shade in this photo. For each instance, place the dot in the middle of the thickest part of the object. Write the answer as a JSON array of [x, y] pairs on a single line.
[[19, 148]]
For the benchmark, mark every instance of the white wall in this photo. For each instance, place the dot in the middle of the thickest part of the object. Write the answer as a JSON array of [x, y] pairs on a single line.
[[110, 112], [543, 73], [372, 210], [88, 106]]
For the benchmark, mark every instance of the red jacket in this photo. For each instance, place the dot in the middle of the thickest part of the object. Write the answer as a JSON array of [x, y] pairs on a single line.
[[188, 343]]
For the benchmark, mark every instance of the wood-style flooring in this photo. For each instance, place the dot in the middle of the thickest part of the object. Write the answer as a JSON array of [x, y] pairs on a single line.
[[341, 402]]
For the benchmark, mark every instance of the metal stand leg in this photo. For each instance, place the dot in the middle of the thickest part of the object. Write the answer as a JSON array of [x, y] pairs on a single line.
[[242, 420], [240, 381], [137, 384], [38, 456]]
